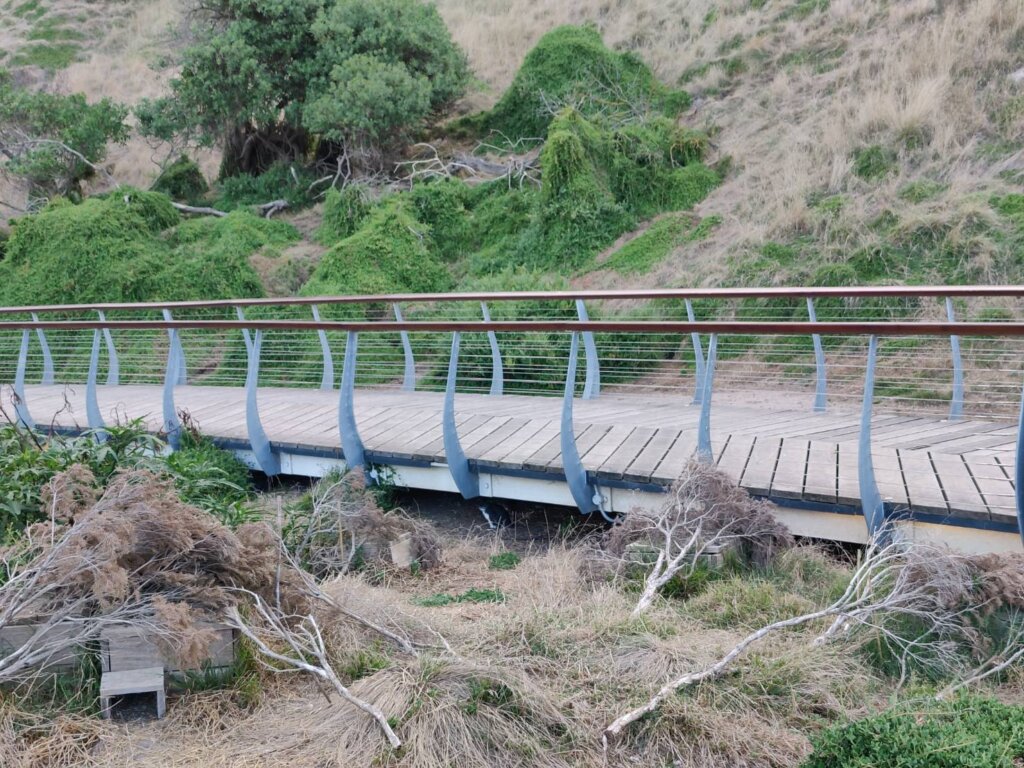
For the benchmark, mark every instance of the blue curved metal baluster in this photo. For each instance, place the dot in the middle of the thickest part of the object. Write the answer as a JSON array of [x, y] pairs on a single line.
[[246, 333], [698, 357], [409, 375], [113, 365], [870, 498], [1019, 471], [48, 377], [956, 403], [497, 369], [172, 427], [92, 407], [179, 352], [466, 480], [268, 461], [820, 386], [351, 442], [327, 379], [704, 451], [583, 492], [20, 405], [592, 384]]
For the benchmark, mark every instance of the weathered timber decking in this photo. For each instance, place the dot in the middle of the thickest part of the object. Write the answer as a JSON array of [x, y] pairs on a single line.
[[926, 465]]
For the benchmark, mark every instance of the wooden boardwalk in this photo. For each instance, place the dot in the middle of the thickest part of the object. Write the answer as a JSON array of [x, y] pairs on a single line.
[[931, 467]]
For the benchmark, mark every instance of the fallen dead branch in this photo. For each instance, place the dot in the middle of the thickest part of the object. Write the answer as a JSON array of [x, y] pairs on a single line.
[[895, 579]]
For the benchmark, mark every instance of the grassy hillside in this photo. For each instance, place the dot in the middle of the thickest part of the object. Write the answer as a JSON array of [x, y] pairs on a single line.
[[864, 141]]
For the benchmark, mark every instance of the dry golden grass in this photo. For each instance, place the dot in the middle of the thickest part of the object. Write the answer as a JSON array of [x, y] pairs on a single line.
[[532, 681], [816, 87]]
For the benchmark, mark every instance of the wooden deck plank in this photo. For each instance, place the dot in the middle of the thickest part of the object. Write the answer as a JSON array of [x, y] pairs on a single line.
[[961, 492], [821, 480], [790, 470], [640, 470], [626, 454], [733, 460], [922, 484], [764, 457]]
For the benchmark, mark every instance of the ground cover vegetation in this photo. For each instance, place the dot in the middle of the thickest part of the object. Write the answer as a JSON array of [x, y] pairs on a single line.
[[504, 655]]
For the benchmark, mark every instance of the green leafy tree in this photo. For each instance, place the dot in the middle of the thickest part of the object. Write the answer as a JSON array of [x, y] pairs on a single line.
[[274, 80], [52, 141]]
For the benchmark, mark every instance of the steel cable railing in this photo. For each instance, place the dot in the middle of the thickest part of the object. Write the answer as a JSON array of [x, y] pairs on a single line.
[[944, 350]]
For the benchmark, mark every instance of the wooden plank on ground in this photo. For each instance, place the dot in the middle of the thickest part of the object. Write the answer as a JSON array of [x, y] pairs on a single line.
[[922, 484], [847, 476]]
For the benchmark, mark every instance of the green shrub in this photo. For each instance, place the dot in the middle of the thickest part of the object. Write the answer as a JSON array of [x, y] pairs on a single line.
[[473, 595], [69, 120], [504, 561], [344, 212], [967, 733], [572, 65], [921, 191], [182, 180], [129, 246], [874, 162], [390, 252], [648, 249], [745, 602], [279, 182], [441, 205], [211, 478]]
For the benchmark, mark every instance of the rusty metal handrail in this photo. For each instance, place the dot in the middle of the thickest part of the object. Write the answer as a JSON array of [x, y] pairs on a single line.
[[803, 292]]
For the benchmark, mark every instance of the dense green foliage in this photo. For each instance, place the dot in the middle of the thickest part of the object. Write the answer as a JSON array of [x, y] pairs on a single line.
[[966, 733], [206, 476], [38, 129], [182, 180], [132, 246], [344, 211], [270, 74], [571, 65], [391, 251]]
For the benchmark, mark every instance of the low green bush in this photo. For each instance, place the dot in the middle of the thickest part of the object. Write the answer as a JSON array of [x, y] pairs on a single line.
[[969, 732], [182, 180], [572, 65], [344, 211]]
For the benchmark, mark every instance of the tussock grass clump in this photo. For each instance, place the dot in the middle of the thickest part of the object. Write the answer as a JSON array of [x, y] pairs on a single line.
[[466, 712]]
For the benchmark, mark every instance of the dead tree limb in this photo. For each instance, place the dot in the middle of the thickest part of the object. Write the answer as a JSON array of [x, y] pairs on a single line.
[[303, 638], [893, 579]]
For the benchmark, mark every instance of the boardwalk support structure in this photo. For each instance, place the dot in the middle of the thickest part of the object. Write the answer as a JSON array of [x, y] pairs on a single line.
[[351, 442], [327, 376], [586, 495], [704, 450], [497, 369], [956, 403], [268, 462], [820, 384], [409, 373], [592, 385], [698, 357], [20, 406], [464, 477], [871, 500]]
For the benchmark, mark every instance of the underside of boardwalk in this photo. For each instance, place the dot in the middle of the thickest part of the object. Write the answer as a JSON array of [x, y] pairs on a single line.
[[948, 479]]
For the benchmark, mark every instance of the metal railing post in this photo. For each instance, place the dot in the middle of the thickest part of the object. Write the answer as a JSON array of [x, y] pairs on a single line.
[[327, 378], [179, 352], [820, 384], [1019, 471], [586, 495], [113, 366], [48, 377], [956, 403], [351, 442], [268, 461], [592, 383], [704, 450], [20, 405], [92, 408], [497, 369], [466, 480], [409, 374], [870, 498], [698, 357], [172, 427]]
